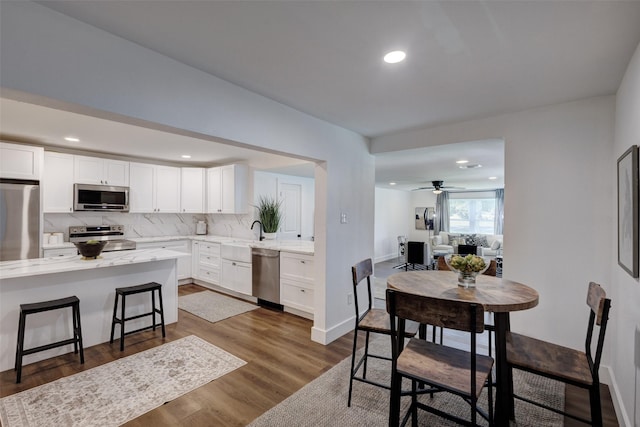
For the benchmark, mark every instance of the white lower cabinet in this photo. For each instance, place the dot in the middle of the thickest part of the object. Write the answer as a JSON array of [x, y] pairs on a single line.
[[206, 262], [184, 263], [236, 276], [297, 281]]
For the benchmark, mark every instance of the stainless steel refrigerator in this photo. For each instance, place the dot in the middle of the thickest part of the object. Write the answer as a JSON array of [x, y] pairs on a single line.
[[19, 219]]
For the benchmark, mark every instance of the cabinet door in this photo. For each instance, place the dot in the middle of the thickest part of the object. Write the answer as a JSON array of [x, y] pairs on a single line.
[[88, 170], [214, 188], [227, 189], [57, 182], [141, 187], [116, 172], [167, 189], [21, 161], [192, 195]]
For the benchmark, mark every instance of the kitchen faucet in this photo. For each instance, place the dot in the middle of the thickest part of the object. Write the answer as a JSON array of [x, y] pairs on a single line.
[[254, 223]]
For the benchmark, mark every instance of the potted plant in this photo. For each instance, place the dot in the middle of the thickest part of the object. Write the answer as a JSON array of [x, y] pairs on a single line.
[[269, 215]]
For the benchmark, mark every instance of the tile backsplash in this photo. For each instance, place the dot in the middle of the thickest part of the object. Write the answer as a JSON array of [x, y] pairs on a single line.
[[154, 224]]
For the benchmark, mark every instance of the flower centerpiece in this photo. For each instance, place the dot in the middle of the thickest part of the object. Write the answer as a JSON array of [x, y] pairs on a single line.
[[467, 267]]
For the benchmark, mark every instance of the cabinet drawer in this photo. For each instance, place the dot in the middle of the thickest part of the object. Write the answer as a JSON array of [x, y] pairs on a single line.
[[294, 295], [209, 248], [211, 275], [209, 260], [59, 252], [297, 267]]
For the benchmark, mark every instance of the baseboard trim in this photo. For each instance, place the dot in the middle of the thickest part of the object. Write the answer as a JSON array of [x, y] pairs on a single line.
[[326, 336], [607, 377]]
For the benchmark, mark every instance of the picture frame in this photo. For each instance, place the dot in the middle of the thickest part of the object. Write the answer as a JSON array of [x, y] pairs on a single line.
[[424, 218], [627, 184]]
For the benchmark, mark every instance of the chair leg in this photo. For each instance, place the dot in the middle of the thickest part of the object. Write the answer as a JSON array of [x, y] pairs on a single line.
[[20, 347], [122, 323], [164, 334], [353, 363], [414, 404], [394, 402], [78, 331], [596, 409], [153, 309], [366, 355], [113, 319]]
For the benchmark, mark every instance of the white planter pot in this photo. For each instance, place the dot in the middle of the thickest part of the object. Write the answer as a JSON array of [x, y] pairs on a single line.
[[270, 236]]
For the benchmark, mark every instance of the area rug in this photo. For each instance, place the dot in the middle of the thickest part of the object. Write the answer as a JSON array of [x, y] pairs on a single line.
[[213, 306], [119, 391], [323, 402]]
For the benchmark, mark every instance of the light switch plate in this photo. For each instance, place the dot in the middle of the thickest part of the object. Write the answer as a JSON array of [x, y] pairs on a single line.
[[343, 218]]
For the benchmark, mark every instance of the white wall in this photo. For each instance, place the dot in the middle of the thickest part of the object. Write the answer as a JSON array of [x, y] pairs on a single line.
[[54, 60], [266, 184], [392, 219], [625, 290], [559, 165]]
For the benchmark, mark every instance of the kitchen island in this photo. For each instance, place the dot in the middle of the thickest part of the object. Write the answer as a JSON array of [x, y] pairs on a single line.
[[94, 283]]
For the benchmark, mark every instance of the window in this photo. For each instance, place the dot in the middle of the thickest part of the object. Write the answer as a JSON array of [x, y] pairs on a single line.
[[472, 213]]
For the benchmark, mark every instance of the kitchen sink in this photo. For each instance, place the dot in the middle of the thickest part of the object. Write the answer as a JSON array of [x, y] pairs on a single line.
[[236, 251]]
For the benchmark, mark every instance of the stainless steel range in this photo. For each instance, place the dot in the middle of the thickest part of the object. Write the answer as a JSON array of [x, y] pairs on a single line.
[[114, 234]]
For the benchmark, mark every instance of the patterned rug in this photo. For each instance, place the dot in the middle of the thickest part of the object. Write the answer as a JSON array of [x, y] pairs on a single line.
[[119, 391], [213, 306], [323, 402]]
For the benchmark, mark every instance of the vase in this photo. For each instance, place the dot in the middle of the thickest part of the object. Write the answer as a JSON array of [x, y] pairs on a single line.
[[467, 279], [270, 236]]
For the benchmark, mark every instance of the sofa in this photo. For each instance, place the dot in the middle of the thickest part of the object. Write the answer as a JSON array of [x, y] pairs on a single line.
[[489, 245]]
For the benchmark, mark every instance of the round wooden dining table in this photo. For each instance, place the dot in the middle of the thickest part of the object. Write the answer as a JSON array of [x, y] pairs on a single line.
[[497, 295]]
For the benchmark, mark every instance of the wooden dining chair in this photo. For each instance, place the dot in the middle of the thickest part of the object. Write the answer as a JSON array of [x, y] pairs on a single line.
[[442, 264], [579, 368], [371, 320], [441, 368]]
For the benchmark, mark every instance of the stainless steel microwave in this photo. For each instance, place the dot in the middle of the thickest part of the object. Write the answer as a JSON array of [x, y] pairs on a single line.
[[100, 198]]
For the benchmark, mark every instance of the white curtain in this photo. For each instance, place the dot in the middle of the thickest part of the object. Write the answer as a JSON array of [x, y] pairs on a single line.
[[442, 213], [499, 215]]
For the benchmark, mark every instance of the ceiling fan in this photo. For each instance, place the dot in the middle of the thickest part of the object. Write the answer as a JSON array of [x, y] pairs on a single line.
[[437, 187]]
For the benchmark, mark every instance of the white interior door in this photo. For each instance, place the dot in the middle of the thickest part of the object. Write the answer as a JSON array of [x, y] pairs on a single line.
[[290, 195]]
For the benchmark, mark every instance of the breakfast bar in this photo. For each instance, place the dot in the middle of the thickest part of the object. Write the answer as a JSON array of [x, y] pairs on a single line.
[[93, 281]]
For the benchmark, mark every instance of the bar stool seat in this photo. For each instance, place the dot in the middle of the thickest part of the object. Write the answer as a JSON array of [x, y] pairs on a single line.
[[39, 307], [132, 290]]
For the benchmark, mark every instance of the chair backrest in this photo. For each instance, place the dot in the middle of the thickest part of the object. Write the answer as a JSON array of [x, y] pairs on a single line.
[[599, 304], [450, 314], [360, 271], [442, 264], [415, 252], [493, 268]]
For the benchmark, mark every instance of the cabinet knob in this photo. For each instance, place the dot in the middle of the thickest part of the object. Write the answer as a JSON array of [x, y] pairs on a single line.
[[301, 261], [302, 290]]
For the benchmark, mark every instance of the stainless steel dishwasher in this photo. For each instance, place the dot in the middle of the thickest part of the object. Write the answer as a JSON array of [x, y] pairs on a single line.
[[265, 266]]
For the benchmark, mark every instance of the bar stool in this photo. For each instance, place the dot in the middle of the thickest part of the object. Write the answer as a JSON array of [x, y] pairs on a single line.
[[39, 307], [131, 290]]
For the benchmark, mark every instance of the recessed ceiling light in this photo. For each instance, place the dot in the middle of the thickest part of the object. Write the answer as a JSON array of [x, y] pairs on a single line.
[[71, 139], [470, 166], [186, 156], [395, 57], [392, 183], [493, 177], [462, 162]]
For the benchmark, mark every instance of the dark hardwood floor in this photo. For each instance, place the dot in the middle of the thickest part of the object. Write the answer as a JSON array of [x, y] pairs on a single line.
[[280, 360]]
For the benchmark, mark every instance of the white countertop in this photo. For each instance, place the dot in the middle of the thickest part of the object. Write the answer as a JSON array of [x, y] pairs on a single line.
[[59, 264], [296, 246]]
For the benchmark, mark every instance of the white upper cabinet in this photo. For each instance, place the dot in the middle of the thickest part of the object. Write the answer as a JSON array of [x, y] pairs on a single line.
[[57, 182], [21, 161], [154, 188], [227, 189], [94, 170], [192, 195]]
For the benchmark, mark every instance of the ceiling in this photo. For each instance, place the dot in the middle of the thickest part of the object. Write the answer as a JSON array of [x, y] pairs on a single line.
[[465, 59]]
